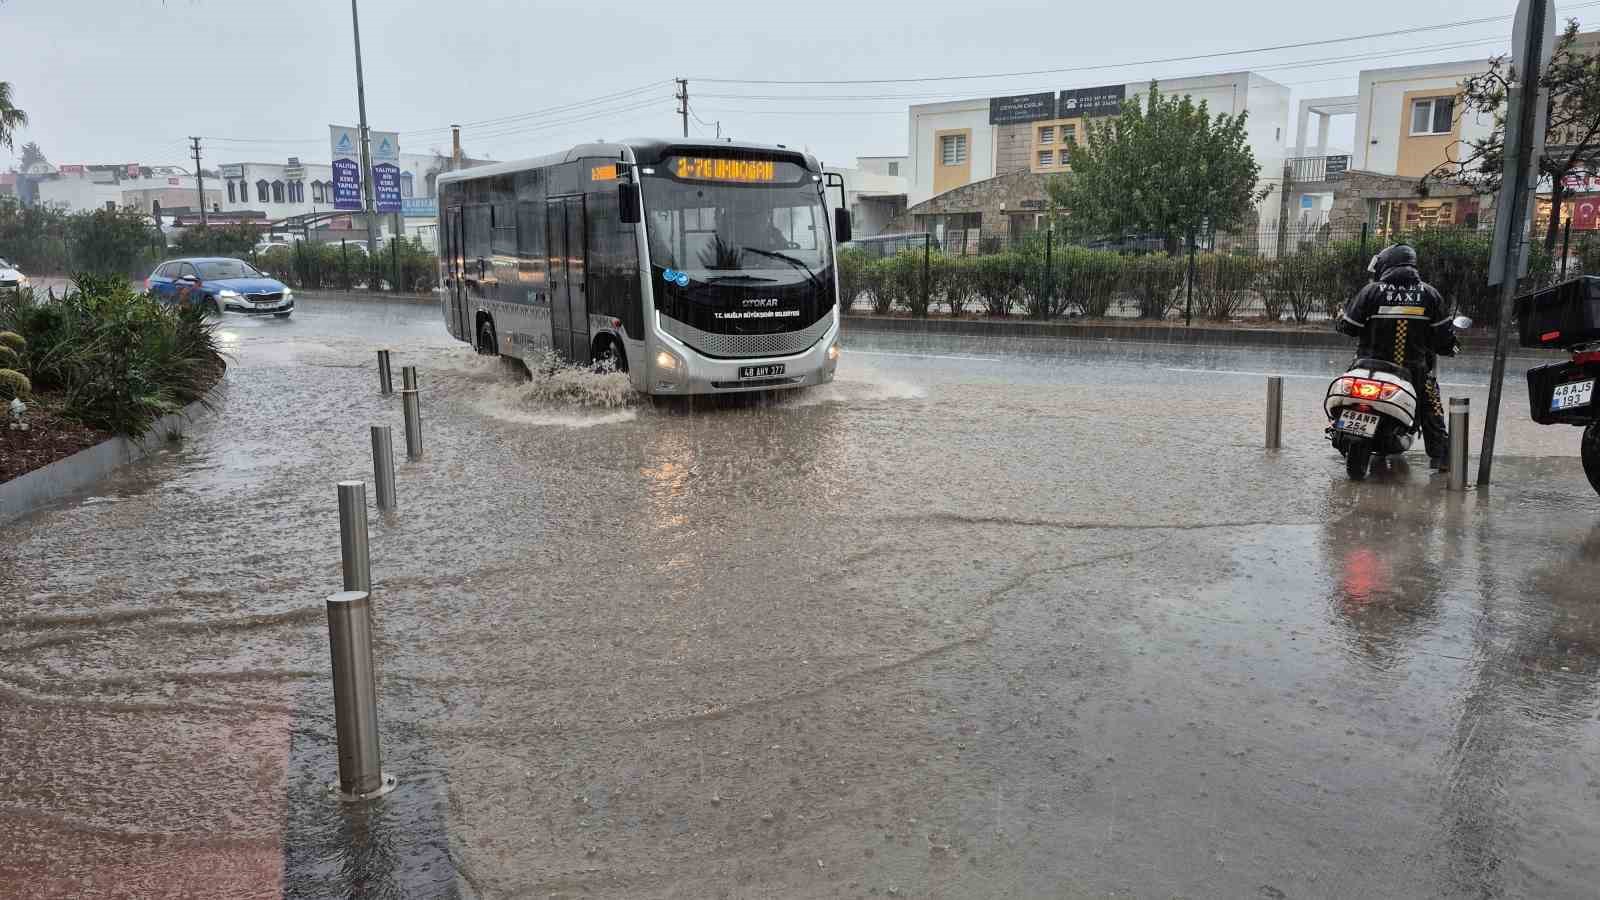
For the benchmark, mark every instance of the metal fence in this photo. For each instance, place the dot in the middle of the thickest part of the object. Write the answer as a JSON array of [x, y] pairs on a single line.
[[1268, 276]]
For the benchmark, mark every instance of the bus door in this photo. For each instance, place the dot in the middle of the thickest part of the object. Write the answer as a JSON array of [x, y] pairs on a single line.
[[569, 305], [455, 250]]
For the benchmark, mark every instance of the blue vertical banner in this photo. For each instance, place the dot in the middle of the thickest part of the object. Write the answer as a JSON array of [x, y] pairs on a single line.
[[346, 154], [385, 170]]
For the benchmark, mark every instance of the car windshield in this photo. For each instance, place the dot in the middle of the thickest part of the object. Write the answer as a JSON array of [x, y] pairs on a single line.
[[212, 270], [777, 230]]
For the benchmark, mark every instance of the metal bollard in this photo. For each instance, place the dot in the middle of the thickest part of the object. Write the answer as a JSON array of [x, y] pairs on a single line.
[[355, 698], [413, 411], [1274, 412], [383, 465], [1460, 424], [353, 547], [385, 378]]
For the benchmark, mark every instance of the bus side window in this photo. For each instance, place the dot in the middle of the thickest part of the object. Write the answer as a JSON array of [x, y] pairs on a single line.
[[479, 237]]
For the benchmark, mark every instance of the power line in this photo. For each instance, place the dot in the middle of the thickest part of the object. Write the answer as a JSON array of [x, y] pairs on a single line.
[[549, 110], [1419, 29]]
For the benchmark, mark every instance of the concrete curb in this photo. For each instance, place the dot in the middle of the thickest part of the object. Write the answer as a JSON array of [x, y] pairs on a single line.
[[65, 477], [1149, 334], [368, 297]]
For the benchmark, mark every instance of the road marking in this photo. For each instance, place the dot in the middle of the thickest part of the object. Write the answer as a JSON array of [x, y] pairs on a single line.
[[920, 355]]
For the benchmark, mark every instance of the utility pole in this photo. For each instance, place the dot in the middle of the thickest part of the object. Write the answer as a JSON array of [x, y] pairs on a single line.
[[683, 103], [199, 180], [1522, 147], [366, 142]]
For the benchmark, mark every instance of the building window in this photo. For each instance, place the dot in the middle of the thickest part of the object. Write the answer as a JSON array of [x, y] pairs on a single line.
[[894, 168], [1069, 135], [1277, 133], [1047, 158], [1047, 134], [953, 149], [230, 192], [277, 192], [299, 192], [261, 191], [1434, 115], [408, 185], [316, 192]]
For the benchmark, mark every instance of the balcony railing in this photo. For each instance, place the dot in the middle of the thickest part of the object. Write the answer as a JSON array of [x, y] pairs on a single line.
[[1317, 168]]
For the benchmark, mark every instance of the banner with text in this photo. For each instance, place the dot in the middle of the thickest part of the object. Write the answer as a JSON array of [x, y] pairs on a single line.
[[385, 170], [346, 145]]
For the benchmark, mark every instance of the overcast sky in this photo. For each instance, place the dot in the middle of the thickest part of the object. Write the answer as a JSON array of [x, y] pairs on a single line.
[[110, 81]]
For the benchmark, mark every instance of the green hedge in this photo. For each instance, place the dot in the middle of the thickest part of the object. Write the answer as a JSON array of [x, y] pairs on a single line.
[[1315, 280]]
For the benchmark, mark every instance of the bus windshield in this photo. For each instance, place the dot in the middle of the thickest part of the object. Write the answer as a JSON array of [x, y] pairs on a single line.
[[775, 232]]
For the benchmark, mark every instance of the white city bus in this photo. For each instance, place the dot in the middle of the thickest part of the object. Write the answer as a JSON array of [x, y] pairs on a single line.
[[696, 268]]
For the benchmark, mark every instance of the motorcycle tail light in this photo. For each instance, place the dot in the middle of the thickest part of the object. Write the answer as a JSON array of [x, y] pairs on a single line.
[[1365, 389]]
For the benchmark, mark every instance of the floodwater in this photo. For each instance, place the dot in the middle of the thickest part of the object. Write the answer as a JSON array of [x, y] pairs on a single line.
[[968, 622]]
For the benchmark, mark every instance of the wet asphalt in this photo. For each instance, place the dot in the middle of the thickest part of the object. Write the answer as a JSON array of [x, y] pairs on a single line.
[[977, 620]]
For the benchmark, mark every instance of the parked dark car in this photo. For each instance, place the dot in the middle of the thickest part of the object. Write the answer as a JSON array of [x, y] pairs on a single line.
[[220, 285]]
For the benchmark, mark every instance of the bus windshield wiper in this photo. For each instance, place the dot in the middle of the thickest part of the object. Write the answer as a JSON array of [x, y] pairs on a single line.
[[786, 258], [737, 277]]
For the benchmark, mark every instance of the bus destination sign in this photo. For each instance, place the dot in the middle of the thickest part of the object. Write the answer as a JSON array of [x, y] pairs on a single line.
[[745, 171]]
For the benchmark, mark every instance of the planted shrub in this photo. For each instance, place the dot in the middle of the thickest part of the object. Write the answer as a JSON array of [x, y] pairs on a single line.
[[1000, 282], [14, 384], [958, 281], [1152, 279], [118, 358], [9, 358], [1087, 280], [853, 263], [13, 340], [1223, 284]]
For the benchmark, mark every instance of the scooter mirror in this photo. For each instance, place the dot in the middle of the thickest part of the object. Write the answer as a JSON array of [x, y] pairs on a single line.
[[1462, 323]]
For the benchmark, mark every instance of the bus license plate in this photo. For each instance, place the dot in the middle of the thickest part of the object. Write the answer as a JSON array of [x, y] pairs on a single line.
[[1571, 395], [760, 371], [1358, 423]]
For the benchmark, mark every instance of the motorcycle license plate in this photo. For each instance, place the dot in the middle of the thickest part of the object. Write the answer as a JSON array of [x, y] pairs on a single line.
[[1357, 423], [1572, 394]]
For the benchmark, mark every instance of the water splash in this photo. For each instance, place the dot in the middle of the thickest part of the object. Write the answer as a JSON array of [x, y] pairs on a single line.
[[560, 394]]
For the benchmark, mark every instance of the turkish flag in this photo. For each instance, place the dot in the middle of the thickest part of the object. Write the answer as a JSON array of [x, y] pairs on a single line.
[[1586, 215]]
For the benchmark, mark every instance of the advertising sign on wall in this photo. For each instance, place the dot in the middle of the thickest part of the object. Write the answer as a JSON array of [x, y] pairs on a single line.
[[1021, 108], [1095, 101], [233, 170]]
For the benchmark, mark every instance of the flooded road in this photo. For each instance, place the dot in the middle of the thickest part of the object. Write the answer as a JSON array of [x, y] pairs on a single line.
[[968, 622]]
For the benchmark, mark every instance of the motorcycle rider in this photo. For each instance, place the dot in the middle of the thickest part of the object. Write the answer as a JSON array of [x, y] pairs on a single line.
[[1401, 319]]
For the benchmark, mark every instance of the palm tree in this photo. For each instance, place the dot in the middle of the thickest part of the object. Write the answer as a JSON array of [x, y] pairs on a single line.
[[11, 118]]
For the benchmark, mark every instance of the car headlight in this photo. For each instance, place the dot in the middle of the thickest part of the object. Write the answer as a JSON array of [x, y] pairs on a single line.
[[22, 281], [228, 294], [288, 294]]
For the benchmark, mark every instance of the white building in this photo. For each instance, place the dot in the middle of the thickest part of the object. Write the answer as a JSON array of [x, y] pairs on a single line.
[[83, 188], [966, 141], [295, 188], [875, 193]]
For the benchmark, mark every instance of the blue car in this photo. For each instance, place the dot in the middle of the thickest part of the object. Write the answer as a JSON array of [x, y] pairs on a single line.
[[220, 284]]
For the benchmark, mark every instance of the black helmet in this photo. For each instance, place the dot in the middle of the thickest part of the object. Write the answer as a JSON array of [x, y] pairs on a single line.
[[1392, 257]]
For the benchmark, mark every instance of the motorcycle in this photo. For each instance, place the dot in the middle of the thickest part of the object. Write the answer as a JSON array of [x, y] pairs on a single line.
[[1566, 316], [1372, 411]]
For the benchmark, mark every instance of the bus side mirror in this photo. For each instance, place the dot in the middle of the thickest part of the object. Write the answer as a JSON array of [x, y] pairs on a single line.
[[628, 200], [841, 226]]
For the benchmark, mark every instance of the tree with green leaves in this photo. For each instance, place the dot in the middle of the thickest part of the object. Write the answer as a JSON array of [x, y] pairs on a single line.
[[31, 156], [1166, 167], [11, 118], [1572, 134]]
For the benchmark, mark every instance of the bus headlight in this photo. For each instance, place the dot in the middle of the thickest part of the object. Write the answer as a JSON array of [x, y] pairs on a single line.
[[668, 361], [833, 352]]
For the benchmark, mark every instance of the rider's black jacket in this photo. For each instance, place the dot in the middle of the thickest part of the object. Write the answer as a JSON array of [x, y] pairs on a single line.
[[1400, 319]]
